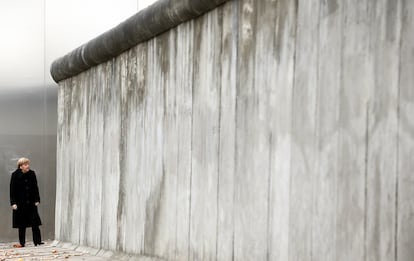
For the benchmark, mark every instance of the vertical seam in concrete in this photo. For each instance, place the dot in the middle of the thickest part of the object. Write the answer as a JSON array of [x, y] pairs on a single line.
[[176, 195], [113, 83], [292, 122], [397, 165], [269, 172], [120, 161], [269, 182], [235, 62], [338, 117], [397, 178], [221, 23], [191, 147], [145, 56], [176, 200], [316, 130], [367, 119], [177, 166], [105, 87], [177, 113]]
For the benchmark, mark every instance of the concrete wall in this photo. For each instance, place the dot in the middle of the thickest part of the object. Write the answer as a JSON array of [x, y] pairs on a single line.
[[262, 130]]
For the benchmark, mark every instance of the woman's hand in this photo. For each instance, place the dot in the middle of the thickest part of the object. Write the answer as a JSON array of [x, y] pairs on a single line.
[[14, 207]]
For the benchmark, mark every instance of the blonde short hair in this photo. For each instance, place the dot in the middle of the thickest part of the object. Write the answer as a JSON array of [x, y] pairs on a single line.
[[22, 161]]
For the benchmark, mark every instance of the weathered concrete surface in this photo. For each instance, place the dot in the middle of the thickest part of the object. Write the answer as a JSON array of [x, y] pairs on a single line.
[[146, 24], [262, 130]]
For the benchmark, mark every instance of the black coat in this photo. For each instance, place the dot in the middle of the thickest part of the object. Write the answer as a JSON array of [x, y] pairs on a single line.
[[24, 192]]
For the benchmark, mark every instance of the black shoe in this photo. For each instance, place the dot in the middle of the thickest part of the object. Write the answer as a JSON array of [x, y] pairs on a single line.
[[40, 243]]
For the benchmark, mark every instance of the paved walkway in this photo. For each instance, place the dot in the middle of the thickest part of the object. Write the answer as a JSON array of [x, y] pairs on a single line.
[[48, 251]]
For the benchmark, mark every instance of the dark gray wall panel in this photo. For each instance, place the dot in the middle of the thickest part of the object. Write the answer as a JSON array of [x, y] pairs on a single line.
[[28, 129]]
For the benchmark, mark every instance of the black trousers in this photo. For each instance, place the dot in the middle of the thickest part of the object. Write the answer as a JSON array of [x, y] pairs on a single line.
[[37, 238]]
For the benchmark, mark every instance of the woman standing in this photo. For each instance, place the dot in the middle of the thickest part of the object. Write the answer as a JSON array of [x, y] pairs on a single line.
[[24, 199]]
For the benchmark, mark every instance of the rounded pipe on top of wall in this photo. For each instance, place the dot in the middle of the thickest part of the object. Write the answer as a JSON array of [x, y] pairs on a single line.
[[146, 24]]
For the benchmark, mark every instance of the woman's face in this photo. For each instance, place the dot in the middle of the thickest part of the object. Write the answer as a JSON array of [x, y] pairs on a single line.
[[25, 167]]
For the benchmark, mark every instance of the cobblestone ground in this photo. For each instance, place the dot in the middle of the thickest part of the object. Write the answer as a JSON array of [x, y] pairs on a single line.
[[48, 251]]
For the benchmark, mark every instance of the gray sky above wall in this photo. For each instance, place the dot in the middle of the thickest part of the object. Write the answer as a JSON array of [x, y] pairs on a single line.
[[36, 32]]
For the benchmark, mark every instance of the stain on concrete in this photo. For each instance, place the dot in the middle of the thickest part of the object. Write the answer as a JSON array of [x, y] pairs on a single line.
[[153, 207], [392, 20], [248, 18], [163, 53], [332, 6], [284, 25]]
